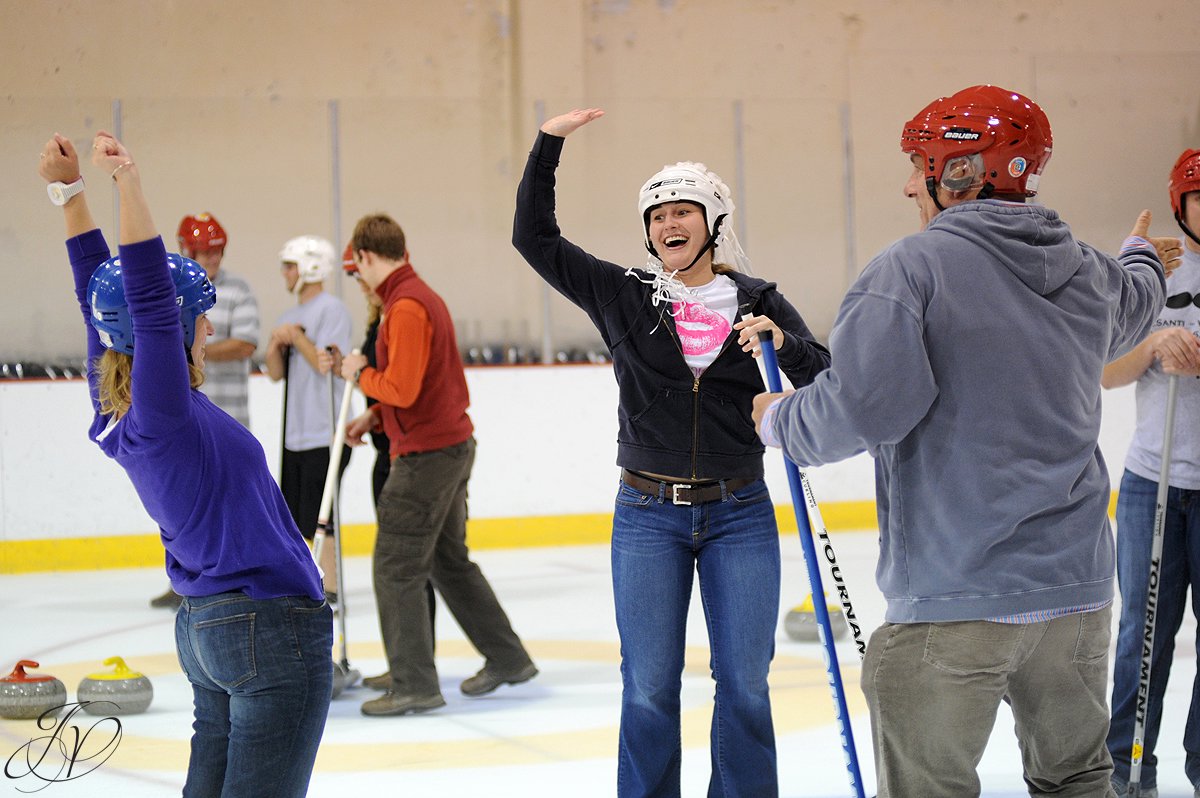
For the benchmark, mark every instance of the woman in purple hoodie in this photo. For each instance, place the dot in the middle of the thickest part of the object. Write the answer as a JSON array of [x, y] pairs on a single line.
[[253, 632]]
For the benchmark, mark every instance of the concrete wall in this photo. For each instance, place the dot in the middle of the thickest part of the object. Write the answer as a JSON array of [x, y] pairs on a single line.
[[289, 118]]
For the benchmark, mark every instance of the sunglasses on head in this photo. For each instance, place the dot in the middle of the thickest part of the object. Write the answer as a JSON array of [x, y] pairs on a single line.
[[1177, 301]]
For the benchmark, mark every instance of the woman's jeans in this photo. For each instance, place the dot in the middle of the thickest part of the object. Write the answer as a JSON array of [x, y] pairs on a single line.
[[261, 674], [734, 545], [1179, 568]]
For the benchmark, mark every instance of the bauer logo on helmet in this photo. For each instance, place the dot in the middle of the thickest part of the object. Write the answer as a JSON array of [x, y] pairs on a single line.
[[961, 134]]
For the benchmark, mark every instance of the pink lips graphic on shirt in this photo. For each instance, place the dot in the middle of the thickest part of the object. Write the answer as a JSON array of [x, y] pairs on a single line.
[[700, 329]]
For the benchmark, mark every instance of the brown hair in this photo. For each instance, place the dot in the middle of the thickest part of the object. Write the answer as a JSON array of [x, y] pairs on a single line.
[[114, 389], [379, 233]]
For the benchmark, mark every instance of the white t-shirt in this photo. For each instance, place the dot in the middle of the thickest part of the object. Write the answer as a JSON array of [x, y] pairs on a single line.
[[703, 326]]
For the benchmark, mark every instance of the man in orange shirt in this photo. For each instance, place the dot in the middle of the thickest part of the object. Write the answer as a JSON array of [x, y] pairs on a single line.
[[422, 406]]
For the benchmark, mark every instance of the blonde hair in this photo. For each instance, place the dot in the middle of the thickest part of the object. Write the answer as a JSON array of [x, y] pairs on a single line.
[[114, 384]]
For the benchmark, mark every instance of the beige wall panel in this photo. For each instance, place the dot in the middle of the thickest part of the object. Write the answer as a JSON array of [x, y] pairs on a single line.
[[1120, 120], [262, 168], [228, 102], [702, 49], [38, 315], [437, 168], [795, 203], [264, 49]]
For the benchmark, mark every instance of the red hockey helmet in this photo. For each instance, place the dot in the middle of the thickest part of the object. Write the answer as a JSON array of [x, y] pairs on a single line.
[[348, 264], [1185, 177], [200, 233], [982, 136]]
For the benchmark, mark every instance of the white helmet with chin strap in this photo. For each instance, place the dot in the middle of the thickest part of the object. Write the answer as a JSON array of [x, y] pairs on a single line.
[[313, 256], [690, 181]]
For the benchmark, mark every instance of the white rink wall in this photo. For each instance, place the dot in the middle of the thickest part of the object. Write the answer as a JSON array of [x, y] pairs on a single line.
[[546, 447]]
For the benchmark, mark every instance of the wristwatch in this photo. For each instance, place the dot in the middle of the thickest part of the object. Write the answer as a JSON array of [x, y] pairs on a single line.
[[61, 192]]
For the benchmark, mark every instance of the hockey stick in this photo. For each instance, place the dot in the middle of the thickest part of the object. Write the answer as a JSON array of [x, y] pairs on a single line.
[[771, 371], [287, 359], [1160, 522], [327, 524], [835, 570]]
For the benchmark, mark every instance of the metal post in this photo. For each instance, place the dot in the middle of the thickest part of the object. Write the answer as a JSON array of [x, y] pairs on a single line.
[[739, 172], [335, 178], [848, 188]]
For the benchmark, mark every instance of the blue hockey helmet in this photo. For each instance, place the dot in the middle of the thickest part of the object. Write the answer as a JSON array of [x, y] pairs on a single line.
[[194, 294]]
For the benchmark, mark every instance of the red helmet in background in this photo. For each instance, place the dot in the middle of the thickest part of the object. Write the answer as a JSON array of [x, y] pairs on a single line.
[[1185, 177], [200, 233], [348, 264], [984, 136]]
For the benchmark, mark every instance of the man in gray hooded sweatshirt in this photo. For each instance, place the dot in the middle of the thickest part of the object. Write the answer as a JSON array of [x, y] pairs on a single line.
[[967, 361]]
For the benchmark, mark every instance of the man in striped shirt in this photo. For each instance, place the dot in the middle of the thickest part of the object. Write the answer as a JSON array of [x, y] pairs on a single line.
[[235, 318]]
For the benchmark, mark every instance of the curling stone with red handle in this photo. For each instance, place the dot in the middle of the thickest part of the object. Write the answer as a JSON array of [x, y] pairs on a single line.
[[25, 697]]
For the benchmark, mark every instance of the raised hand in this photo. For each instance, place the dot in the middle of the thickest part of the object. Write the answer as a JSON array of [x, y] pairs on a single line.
[[1169, 248], [58, 160], [109, 154], [566, 124]]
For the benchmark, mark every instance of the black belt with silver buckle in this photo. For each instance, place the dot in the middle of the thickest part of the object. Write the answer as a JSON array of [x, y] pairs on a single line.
[[684, 493]]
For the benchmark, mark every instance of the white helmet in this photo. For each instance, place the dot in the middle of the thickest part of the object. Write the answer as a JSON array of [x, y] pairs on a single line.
[[690, 181], [686, 181], [313, 255]]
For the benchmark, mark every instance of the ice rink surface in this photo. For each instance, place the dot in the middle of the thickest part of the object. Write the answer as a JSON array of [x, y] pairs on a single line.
[[555, 736]]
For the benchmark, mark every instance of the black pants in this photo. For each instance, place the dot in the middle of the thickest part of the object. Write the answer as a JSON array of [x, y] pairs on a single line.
[[303, 482]]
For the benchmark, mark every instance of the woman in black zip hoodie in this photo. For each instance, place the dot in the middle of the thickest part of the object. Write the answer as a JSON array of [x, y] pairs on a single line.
[[683, 332]]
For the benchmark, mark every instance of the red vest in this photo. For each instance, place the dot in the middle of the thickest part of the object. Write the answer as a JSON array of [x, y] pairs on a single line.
[[438, 418]]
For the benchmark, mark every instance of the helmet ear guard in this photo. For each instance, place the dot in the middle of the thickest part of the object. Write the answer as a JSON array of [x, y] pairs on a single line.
[[964, 173]]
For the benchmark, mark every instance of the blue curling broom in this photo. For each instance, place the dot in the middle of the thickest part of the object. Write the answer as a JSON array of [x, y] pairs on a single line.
[[795, 482]]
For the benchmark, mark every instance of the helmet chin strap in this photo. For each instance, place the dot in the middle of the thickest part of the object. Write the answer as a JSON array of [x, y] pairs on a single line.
[[1183, 226], [931, 187]]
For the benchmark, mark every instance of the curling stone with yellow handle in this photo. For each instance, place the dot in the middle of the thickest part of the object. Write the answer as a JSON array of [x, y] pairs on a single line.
[[119, 692], [801, 621], [25, 697]]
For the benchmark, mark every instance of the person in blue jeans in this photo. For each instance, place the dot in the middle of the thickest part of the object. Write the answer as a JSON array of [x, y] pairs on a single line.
[[253, 632], [691, 497], [1171, 348]]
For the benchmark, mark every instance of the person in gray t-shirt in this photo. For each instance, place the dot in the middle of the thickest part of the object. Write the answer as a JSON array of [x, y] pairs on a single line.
[[1172, 348], [319, 320]]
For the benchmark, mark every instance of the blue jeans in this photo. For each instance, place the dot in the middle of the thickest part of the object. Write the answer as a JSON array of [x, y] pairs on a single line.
[[1179, 569], [734, 546], [261, 674]]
